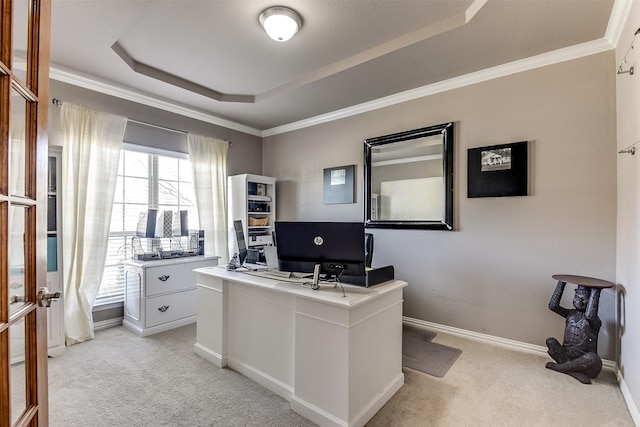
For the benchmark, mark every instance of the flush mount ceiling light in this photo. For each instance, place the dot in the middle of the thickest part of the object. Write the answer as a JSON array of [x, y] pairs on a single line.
[[280, 23]]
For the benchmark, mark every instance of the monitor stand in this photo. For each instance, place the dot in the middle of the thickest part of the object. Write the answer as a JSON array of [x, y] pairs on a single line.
[[315, 285]]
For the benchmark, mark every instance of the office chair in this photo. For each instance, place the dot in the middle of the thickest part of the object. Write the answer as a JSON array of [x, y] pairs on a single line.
[[368, 249]]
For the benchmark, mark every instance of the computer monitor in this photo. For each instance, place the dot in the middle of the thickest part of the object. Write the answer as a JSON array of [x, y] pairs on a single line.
[[338, 247], [242, 245]]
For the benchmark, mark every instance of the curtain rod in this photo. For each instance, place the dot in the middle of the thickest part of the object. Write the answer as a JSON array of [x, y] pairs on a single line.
[[58, 103]]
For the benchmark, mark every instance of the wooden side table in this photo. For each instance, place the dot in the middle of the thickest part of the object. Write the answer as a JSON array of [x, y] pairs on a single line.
[[577, 356], [588, 282]]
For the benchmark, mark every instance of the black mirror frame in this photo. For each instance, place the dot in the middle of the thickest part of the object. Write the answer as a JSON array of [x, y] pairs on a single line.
[[446, 130]]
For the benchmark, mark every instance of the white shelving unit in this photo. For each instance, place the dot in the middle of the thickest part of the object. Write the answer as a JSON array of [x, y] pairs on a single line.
[[252, 199]]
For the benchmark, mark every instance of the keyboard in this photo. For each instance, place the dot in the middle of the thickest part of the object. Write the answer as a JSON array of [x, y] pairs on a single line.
[[283, 276], [255, 267]]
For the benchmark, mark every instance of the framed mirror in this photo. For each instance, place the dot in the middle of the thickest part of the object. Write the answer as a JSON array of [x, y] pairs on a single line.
[[409, 179]]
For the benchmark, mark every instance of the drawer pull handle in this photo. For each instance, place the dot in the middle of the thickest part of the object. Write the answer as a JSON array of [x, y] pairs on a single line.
[[163, 308], [164, 278]]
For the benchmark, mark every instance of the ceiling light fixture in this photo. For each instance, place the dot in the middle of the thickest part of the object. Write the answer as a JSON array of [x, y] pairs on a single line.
[[280, 23]]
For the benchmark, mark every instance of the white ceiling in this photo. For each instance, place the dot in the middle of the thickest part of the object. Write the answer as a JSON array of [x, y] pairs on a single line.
[[347, 53]]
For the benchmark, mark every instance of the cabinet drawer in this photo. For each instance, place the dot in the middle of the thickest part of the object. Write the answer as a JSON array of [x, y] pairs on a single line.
[[167, 308], [163, 279]]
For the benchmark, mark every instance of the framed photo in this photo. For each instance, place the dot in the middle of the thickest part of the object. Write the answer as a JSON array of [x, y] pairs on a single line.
[[498, 170], [339, 185]]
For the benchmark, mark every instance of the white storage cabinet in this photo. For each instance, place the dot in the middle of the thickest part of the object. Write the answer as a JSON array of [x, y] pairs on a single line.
[[161, 295]]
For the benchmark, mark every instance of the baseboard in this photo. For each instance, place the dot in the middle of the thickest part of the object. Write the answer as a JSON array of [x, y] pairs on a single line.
[[378, 402], [109, 323], [315, 414], [275, 385], [163, 327], [538, 350], [324, 418], [631, 405], [210, 355]]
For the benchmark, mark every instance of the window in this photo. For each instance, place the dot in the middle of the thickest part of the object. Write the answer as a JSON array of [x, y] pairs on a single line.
[[146, 180]]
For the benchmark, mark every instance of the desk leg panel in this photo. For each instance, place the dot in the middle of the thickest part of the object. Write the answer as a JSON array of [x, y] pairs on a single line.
[[261, 336], [211, 330], [347, 368]]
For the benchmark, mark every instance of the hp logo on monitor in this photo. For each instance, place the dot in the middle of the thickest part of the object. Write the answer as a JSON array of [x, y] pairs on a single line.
[[318, 240]]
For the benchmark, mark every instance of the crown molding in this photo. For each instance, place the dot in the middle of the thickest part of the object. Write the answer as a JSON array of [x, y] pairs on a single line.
[[129, 95], [617, 20], [542, 60], [621, 10]]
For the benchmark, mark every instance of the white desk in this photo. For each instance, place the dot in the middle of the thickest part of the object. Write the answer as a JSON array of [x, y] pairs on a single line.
[[337, 360]]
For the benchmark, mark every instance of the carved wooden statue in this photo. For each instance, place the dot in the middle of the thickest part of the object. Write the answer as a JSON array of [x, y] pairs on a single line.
[[577, 356]]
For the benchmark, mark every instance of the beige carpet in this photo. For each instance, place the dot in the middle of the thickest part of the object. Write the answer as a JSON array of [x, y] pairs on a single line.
[[124, 380], [493, 386]]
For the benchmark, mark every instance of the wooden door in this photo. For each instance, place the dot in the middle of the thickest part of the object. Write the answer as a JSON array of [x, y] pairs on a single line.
[[24, 95]]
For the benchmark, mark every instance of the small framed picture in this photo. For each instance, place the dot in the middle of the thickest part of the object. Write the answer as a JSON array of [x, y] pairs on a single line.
[[498, 170], [339, 185]]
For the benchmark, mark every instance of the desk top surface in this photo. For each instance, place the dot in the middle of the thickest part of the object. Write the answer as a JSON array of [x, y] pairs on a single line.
[[588, 282], [352, 297]]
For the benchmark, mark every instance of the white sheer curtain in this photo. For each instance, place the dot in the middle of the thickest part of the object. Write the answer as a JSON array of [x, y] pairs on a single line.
[[209, 161], [91, 151]]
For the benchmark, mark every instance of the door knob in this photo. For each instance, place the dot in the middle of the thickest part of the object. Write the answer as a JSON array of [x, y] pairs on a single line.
[[45, 298]]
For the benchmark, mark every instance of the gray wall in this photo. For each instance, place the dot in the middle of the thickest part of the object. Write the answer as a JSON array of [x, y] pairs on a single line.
[[491, 275], [628, 267]]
